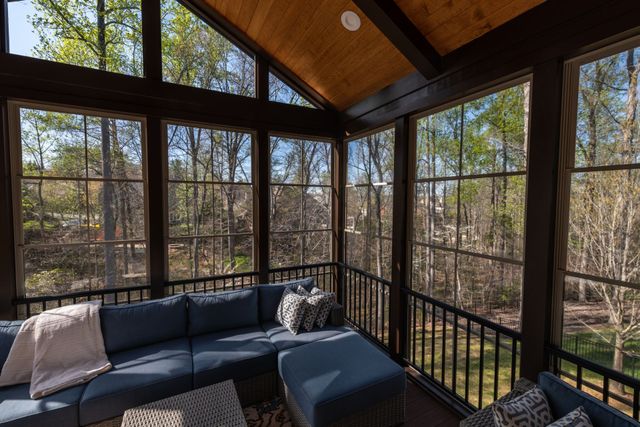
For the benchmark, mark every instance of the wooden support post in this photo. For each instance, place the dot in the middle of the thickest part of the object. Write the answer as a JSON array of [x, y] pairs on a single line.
[[7, 256], [152, 39], [4, 27], [399, 274], [262, 177], [156, 202], [338, 211], [544, 145]]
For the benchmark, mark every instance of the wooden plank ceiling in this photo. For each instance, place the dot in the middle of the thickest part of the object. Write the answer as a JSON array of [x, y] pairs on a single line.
[[306, 36]]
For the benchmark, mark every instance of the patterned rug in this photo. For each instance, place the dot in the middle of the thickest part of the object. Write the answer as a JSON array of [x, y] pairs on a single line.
[[272, 413]]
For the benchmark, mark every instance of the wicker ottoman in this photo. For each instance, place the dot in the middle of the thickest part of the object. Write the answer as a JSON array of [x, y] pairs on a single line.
[[342, 380]]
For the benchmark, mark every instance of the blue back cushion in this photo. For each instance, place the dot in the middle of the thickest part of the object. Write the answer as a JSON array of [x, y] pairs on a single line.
[[8, 332], [222, 311], [136, 325], [563, 398], [270, 296]]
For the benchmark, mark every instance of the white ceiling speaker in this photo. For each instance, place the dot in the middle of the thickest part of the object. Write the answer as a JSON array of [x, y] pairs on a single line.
[[350, 20]]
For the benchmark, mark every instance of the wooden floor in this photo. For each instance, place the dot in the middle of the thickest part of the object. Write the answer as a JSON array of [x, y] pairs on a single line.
[[425, 410]]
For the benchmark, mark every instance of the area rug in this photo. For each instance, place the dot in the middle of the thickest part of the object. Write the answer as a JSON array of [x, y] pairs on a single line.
[[272, 413]]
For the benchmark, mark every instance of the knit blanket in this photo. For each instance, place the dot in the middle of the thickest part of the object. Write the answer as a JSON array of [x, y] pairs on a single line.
[[57, 349]]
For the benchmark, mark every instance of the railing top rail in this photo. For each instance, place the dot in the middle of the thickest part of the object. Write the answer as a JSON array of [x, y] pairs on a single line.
[[367, 274], [592, 366], [473, 317], [210, 278], [301, 267], [81, 294]]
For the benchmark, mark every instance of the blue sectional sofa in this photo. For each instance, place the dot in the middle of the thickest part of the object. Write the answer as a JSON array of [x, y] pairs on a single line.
[[164, 347]]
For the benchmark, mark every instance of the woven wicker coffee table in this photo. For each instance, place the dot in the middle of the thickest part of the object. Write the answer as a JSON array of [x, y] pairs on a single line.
[[215, 405]]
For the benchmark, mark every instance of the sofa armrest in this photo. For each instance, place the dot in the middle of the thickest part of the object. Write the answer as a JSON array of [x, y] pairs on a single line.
[[336, 318]]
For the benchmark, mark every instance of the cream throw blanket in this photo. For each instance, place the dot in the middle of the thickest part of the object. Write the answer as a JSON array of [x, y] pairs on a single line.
[[57, 349]]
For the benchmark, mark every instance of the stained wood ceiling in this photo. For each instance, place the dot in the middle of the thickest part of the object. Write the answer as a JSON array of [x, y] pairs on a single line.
[[306, 36]]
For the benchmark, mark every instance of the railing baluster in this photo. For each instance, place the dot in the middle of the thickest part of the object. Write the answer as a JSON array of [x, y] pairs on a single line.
[[424, 326], [433, 339], [514, 352], [605, 389], [579, 377], [636, 403], [481, 367], [496, 366], [454, 368], [413, 329], [443, 353]]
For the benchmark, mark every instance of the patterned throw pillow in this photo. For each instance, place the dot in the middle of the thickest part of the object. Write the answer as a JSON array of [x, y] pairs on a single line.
[[313, 306], [291, 310], [529, 410], [576, 418], [327, 306]]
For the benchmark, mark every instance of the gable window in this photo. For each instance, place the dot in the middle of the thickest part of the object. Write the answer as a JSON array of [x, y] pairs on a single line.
[[105, 35], [369, 209], [281, 92], [194, 54], [79, 183], [210, 201], [300, 211]]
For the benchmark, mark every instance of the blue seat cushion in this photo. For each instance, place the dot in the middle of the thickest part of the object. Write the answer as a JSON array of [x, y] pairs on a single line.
[[270, 296], [18, 409], [237, 354], [283, 339], [8, 331], [139, 376], [222, 311], [563, 398], [338, 376], [136, 325]]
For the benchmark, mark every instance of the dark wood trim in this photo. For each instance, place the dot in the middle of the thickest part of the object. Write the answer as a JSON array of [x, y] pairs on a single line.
[[156, 189], [554, 29], [399, 274], [544, 149], [403, 34], [338, 211], [44, 81], [7, 255], [4, 26], [152, 39], [263, 193], [227, 29]]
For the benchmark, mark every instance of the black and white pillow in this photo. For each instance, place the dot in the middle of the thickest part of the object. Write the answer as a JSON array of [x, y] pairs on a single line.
[[529, 410], [327, 305], [314, 303], [576, 418], [291, 310]]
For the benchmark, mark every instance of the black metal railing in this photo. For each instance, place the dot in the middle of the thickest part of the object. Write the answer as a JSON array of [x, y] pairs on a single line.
[[471, 358], [325, 274], [612, 387], [366, 303], [29, 306], [225, 282]]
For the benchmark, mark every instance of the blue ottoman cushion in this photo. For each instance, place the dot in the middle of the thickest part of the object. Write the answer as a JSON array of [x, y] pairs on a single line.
[[283, 339], [237, 354], [139, 376], [270, 296], [222, 311], [18, 409], [136, 325], [8, 331], [563, 398], [339, 376]]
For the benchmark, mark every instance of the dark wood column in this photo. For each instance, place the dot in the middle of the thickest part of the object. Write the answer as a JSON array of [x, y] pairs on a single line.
[[152, 39], [7, 256], [399, 274], [338, 211], [544, 143], [4, 29], [261, 162]]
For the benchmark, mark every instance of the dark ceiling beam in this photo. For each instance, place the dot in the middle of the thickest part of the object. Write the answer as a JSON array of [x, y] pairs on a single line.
[[554, 29], [403, 34], [230, 31]]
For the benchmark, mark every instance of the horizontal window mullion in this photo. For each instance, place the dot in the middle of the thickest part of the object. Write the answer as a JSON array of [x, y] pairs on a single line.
[[603, 168], [76, 179], [467, 177], [179, 181], [606, 280], [317, 230], [362, 233], [210, 236], [469, 253], [275, 184], [74, 244], [370, 184]]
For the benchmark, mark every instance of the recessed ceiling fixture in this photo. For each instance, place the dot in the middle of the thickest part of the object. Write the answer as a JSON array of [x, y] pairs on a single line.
[[350, 20]]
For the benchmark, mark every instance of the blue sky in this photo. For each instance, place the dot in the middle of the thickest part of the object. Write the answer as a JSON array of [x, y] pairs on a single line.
[[21, 35]]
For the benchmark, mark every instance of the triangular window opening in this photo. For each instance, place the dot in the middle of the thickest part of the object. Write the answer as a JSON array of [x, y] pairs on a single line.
[[281, 92], [194, 54]]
